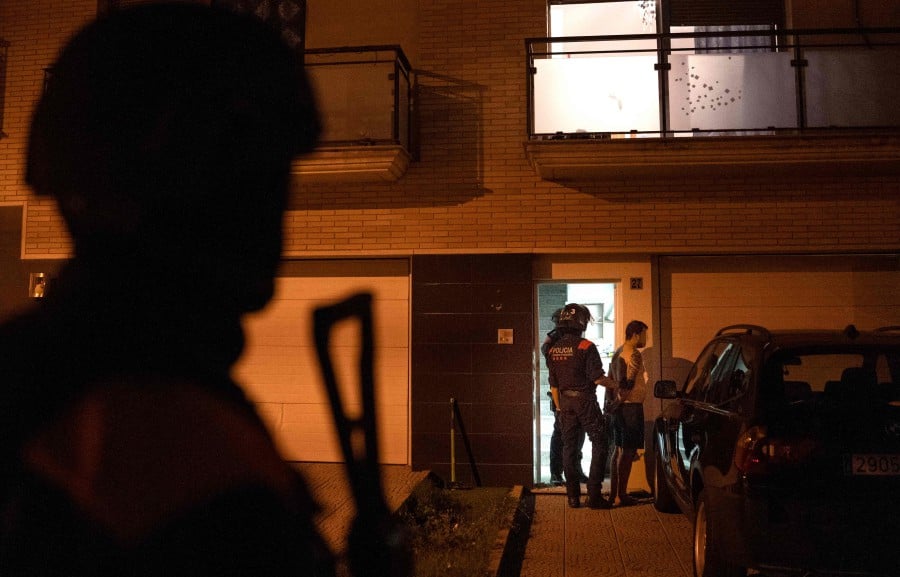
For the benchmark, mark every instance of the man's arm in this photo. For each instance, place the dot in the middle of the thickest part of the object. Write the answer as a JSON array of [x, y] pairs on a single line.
[[595, 369], [636, 366], [607, 382]]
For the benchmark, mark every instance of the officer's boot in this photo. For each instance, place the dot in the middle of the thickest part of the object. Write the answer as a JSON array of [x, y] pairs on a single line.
[[573, 488], [595, 482], [556, 461]]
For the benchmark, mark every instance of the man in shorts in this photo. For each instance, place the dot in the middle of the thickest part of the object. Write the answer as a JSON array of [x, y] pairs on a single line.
[[627, 367]]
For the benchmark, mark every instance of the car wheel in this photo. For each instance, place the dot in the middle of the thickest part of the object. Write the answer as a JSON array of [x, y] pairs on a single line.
[[708, 560], [662, 494]]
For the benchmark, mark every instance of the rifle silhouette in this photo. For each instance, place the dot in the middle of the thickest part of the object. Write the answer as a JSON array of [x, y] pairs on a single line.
[[377, 544]]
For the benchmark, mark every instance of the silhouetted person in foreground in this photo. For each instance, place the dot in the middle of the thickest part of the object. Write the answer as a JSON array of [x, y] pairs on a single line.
[[165, 135]]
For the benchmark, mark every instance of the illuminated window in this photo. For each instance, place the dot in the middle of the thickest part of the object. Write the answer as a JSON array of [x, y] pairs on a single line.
[[3, 52]]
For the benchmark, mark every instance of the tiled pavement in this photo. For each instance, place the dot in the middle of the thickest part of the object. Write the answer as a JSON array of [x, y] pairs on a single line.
[[635, 541], [329, 487], [632, 541]]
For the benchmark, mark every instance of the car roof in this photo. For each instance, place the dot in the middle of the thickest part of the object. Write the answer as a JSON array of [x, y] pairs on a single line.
[[802, 338]]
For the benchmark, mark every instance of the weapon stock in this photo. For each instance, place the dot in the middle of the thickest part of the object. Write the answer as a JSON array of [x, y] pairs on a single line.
[[377, 544]]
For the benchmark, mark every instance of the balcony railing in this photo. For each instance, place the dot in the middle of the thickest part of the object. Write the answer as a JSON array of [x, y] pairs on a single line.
[[364, 99], [4, 47], [713, 83], [363, 94]]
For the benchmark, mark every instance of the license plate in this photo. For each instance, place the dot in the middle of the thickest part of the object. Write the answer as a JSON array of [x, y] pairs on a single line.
[[874, 464]]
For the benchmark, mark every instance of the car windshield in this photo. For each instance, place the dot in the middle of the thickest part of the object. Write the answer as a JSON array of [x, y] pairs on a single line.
[[852, 391], [820, 369], [846, 398]]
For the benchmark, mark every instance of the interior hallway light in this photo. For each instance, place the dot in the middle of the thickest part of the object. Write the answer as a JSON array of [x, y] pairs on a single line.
[[37, 285]]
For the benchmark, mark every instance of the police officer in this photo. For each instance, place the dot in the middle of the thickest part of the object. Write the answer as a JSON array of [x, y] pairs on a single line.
[[575, 371], [165, 134], [556, 443]]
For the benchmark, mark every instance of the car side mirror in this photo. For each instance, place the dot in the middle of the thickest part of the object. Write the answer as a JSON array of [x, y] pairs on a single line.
[[665, 390]]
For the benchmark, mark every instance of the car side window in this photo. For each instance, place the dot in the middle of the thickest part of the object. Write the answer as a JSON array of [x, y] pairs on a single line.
[[706, 369], [730, 380], [697, 374]]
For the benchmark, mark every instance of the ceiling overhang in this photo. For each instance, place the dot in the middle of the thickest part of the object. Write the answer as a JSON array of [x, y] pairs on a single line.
[[863, 153]]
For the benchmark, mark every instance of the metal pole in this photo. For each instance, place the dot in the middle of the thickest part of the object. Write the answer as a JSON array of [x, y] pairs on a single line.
[[452, 441]]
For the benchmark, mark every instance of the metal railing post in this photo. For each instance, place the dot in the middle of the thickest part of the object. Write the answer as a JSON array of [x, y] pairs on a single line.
[[452, 441]]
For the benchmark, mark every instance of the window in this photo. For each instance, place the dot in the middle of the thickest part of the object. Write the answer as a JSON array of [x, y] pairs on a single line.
[[730, 379], [727, 76], [601, 18], [709, 368], [603, 86], [731, 13], [3, 52]]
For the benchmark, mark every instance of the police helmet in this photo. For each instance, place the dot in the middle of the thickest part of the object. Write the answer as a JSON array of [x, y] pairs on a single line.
[[574, 316], [555, 316], [169, 111]]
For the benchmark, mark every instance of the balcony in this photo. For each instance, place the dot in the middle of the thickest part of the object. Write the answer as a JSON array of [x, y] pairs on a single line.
[[750, 104], [4, 48], [363, 95]]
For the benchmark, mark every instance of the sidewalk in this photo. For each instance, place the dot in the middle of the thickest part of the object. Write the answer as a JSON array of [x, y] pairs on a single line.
[[331, 490], [553, 541], [635, 541]]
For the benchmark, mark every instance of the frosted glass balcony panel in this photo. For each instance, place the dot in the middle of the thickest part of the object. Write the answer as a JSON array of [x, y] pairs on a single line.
[[599, 94], [852, 88], [722, 92], [356, 101]]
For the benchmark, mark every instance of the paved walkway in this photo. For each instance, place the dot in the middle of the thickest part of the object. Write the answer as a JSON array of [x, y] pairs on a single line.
[[329, 487], [633, 541]]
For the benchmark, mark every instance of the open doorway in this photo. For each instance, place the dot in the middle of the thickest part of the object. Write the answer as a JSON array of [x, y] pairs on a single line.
[[600, 299]]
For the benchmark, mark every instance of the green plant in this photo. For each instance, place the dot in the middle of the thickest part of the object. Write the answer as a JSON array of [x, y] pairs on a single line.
[[452, 531]]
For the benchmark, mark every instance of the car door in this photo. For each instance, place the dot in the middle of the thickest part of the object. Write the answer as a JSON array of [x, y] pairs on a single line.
[[724, 409], [689, 428]]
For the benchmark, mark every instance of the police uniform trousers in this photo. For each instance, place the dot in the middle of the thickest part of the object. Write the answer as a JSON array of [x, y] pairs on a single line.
[[580, 410]]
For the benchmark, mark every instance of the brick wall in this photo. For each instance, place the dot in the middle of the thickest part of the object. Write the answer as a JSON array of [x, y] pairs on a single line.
[[472, 190], [35, 31]]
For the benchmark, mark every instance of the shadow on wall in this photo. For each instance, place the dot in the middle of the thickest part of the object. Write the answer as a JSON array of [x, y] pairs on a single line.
[[448, 156], [449, 126], [676, 369], [799, 185], [672, 368]]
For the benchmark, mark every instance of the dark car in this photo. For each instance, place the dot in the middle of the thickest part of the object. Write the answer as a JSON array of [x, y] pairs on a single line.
[[784, 449]]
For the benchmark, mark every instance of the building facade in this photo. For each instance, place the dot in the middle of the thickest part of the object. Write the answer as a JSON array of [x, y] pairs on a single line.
[[468, 249]]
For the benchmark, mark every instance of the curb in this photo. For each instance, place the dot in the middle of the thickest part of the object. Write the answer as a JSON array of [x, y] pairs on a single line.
[[508, 552]]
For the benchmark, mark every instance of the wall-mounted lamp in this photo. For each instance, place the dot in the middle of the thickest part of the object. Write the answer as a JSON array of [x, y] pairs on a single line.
[[37, 285]]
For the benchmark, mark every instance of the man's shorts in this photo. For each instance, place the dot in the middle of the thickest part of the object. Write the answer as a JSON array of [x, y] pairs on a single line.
[[628, 426]]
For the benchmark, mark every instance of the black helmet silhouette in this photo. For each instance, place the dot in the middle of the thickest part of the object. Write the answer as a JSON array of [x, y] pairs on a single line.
[[166, 134], [574, 316]]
